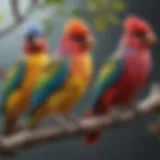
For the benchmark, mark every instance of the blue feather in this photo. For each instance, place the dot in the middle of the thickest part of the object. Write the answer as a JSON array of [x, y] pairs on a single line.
[[55, 81], [13, 83], [105, 82], [34, 29]]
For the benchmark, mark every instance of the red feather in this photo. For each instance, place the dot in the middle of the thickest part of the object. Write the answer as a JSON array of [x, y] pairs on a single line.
[[29, 48], [133, 23]]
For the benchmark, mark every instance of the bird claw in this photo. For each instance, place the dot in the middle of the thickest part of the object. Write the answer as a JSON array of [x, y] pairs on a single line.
[[61, 122], [74, 119], [64, 125], [19, 126]]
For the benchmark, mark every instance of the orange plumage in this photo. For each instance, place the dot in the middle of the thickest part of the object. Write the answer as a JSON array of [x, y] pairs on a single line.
[[74, 48]]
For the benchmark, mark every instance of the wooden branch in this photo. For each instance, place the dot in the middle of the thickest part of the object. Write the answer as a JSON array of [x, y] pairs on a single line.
[[28, 138], [15, 9], [19, 18]]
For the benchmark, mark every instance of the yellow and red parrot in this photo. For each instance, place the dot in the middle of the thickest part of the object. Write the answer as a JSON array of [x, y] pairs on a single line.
[[23, 77], [65, 81]]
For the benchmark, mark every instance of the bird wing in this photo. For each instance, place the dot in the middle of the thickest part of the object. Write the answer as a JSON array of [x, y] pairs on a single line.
[[109, 74], [13, 81], [52, 79]]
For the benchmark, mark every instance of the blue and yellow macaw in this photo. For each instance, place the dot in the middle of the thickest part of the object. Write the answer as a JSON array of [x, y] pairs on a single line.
[[23, 77]]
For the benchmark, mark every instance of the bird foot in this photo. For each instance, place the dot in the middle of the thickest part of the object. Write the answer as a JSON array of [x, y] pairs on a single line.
[[74, 119], [61, 122], [19, 126]]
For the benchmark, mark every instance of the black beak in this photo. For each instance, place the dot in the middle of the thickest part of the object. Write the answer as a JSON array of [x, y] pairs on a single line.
[[86, 41]]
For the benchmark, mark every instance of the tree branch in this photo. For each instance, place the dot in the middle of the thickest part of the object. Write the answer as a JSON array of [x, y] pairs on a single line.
[[28, 138], [19, 18], [15, 9]]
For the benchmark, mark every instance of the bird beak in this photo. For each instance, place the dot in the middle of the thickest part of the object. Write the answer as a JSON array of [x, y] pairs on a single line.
[[89, 42], [37, 41], [151, 38]]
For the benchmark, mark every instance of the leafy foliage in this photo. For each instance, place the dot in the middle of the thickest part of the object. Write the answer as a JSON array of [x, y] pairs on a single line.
[[53, 2], [76, 11], [106, 12], [100, 22], [48, 25], [103, 12], [1, 17]]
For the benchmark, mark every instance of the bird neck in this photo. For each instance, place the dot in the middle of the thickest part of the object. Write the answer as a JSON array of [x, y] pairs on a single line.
[[125, 49], [128, 45], [30, 48]]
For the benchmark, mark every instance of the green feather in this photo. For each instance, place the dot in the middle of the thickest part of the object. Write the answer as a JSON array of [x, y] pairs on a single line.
[[50, 81], [109, 74], [13, 81]]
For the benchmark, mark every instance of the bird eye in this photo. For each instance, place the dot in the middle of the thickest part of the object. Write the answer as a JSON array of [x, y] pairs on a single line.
[[78, 38], [139, 34]]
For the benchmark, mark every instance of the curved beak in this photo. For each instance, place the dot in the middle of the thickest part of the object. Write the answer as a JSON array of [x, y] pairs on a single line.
[[89, 42], [150, 38], [37, 41]]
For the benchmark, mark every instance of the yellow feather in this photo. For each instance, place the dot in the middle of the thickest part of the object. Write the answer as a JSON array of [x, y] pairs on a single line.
[[107, 68], [71, 92], [18, 101]]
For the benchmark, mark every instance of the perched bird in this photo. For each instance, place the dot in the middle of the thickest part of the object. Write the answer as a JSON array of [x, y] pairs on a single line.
[[125, 74], [34, 41], [23, 76], [66, 79]]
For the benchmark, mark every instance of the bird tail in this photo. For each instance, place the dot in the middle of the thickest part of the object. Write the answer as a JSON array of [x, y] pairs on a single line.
[[92, 138]]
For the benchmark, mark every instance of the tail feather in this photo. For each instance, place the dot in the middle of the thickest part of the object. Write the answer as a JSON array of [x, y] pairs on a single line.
[[92, 138]]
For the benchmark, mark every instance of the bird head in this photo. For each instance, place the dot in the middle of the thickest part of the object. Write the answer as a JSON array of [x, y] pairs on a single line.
[[34, 41], [78, 36], [139, 32]]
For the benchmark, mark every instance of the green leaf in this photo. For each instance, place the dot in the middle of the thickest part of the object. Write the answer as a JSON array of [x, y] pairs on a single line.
[[53, 2], [94, 5], [60, 10], [101, 22], [48, 25], [118, 6], [76, 11], [1, 17], [112, 18], [91, 7]]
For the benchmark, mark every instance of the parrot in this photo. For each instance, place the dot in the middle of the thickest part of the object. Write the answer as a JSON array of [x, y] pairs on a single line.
[[67, 77], [23, 76], [124, 74]]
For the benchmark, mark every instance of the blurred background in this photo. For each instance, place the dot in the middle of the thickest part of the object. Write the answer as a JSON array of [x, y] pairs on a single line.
[[128, 142]]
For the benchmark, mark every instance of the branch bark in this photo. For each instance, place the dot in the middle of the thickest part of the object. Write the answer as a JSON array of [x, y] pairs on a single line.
[[30, 138], [19, 19], [15, 9]]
